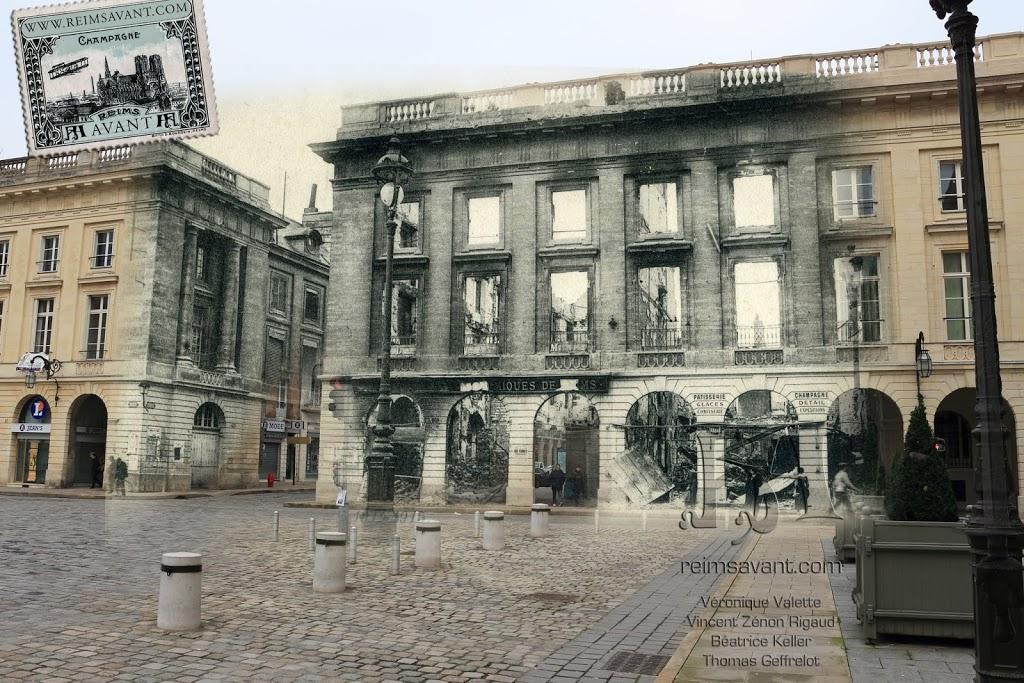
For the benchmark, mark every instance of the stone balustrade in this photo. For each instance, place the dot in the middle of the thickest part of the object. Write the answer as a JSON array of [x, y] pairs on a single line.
[[826, 72]]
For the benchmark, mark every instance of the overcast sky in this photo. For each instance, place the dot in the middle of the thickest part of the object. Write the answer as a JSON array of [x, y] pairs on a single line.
[[282, 69]]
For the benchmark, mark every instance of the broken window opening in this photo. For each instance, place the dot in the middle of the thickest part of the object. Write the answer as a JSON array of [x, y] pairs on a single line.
[[758, 311], [570, 312]]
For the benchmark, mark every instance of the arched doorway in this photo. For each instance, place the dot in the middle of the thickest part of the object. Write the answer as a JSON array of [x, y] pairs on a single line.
[[954, 422], [205, 460], [476, 459], [407, 442], [660, 462], [566, 433], [762, 446], [864, 433], [88, 440], [32, 441]]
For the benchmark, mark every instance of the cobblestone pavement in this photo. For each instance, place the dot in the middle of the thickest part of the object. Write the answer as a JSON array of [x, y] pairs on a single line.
[[895, 659], [80, 580]]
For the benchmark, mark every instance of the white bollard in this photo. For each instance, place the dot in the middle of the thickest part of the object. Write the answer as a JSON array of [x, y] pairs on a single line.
[[352, 544], [476, 524], [342, 518], [540, 513], [312, 533], [428, 543], [494, 530], [643, 521], [181, 583], [277, 524], [329, 562], [597, 521], [396, 555]]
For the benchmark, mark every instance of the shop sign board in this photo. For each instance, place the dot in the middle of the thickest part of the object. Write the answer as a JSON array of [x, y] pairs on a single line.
[[594, 384]]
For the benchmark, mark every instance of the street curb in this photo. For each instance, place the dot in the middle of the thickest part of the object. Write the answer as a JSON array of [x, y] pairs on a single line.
[[183, 495]]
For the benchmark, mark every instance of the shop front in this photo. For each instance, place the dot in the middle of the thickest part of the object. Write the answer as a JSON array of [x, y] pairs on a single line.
[[31, 434]]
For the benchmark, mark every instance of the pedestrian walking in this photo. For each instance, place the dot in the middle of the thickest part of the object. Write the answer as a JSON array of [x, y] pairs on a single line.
[[120, 475], [577, 486], [96, 466], [557, 483]]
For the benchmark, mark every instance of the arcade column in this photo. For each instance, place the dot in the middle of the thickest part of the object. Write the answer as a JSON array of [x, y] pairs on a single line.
[[814, 459]]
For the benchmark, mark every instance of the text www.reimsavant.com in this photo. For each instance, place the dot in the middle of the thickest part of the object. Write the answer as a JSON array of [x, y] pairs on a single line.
[[704, 566]]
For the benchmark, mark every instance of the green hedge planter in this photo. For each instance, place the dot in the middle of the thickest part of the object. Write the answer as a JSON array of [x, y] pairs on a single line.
[[846, 528], [914, 579]]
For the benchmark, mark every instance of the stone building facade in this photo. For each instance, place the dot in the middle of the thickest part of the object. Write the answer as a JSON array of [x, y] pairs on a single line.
[[658, 279], [146, 271]]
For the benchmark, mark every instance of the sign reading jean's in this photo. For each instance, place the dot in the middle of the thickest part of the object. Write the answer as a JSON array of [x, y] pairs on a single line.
[[596, 384]]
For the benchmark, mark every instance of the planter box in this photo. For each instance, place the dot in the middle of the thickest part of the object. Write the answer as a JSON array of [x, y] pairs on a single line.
[[914, 579], [846, 528]]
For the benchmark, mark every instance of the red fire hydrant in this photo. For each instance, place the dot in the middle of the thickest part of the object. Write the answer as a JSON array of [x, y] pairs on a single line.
[[270, 480]]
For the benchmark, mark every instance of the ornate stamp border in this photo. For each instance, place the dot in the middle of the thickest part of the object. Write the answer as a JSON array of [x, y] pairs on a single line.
[[194, 114]]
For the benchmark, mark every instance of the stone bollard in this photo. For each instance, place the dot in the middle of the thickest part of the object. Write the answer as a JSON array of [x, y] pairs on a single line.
[[329, 562], [494, 530], [476, 524], [643, 521], [312, 533], [352, 544], [597, 520], [342, 518], [540, 513], [277, 524], [396, 555], [181, 582], [428, 544]]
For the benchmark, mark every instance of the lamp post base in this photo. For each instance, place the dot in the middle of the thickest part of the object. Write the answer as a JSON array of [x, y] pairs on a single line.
[[998, 600]]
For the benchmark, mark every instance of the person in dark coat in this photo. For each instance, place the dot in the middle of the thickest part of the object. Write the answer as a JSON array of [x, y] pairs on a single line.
[[557, 482], [96, 466]]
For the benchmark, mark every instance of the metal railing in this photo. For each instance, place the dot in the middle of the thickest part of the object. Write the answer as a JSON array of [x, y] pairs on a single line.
[[866, 332], [94, 352], [403, 345], [575, 341], [662, 337], [481, 343], [102, 260], [759, 336]]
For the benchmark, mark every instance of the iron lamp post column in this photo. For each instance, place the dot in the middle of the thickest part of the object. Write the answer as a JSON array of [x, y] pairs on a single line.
[[993, 527], [391, 171]]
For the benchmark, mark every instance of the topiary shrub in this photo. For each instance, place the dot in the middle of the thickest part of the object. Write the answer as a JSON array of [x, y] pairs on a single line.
[[919, 438], [920, 490]]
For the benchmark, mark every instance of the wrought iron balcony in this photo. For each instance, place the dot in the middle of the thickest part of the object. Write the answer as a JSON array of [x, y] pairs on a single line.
[[657, 337], [481, 343], [759, 336], [571, 341]]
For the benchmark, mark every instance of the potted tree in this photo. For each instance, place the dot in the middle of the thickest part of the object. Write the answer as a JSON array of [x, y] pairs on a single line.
[[914, 566]]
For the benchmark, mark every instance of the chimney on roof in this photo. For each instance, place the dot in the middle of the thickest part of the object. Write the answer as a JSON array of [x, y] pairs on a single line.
[[312, 200]]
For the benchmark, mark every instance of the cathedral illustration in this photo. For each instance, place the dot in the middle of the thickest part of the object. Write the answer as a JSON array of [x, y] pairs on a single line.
[[147, 84]]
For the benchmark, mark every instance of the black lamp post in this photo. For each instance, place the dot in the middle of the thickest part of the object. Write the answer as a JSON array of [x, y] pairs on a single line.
[[993, 527], [922, 363], [391, 172], [50, 365]]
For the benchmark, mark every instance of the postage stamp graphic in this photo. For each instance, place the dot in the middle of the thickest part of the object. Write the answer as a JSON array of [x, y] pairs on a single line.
[[106, 73]]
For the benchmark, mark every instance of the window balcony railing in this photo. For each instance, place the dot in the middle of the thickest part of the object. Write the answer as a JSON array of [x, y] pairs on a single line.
[[574, 341], [403, 345], [759, 336], [867, 332], [48, 265], [94, 352], [101, 260], [662, 337], [481, 343]]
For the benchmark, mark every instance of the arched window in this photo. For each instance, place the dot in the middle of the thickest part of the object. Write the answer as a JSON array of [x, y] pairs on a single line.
[[209, 416]]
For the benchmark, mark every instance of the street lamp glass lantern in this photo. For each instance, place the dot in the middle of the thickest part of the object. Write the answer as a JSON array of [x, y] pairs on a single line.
[[30, 379], [392, 167], [924, 364]]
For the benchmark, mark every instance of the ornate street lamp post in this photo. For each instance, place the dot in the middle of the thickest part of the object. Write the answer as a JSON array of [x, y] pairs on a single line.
[[922, 363], [50, 365], [391, 172], [994, 528]]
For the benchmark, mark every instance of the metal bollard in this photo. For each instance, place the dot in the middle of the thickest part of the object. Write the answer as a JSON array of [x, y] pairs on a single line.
[[312, 533], [539, 516], [643, 521], [180, 603], [396, 555], [329, 562], [597, 520], [494, 530], [428, 543], [277, 524], [352, 544], [476, 524]]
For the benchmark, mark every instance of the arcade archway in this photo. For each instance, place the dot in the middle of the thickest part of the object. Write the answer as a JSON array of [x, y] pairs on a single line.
[[565, 433], [762, 446], [31, 435], [88, 440], [865, 433], [407, 442], [660, 462], [476, 459], [205, 459], [954, 422]]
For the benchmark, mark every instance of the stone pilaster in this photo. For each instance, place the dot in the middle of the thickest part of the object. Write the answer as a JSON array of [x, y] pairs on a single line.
[[185, 353], [229, 316], [814, 460]]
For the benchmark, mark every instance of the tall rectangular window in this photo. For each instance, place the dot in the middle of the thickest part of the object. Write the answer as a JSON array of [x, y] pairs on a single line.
[[49, 255], [482, 299], [96, 333], [484, 221], [202, 337], [956, 284], [570, 312], [758, 309], [853, 192], [858, 305], [5, 256], [202, 266], [407, 235], [658, 210], [753, 201], [569, 215], [404, 317], [312, 305], [103, 254], [310, 367], [280, 293], [44, 326], [951, 186], [275, 378], [660, 307]]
